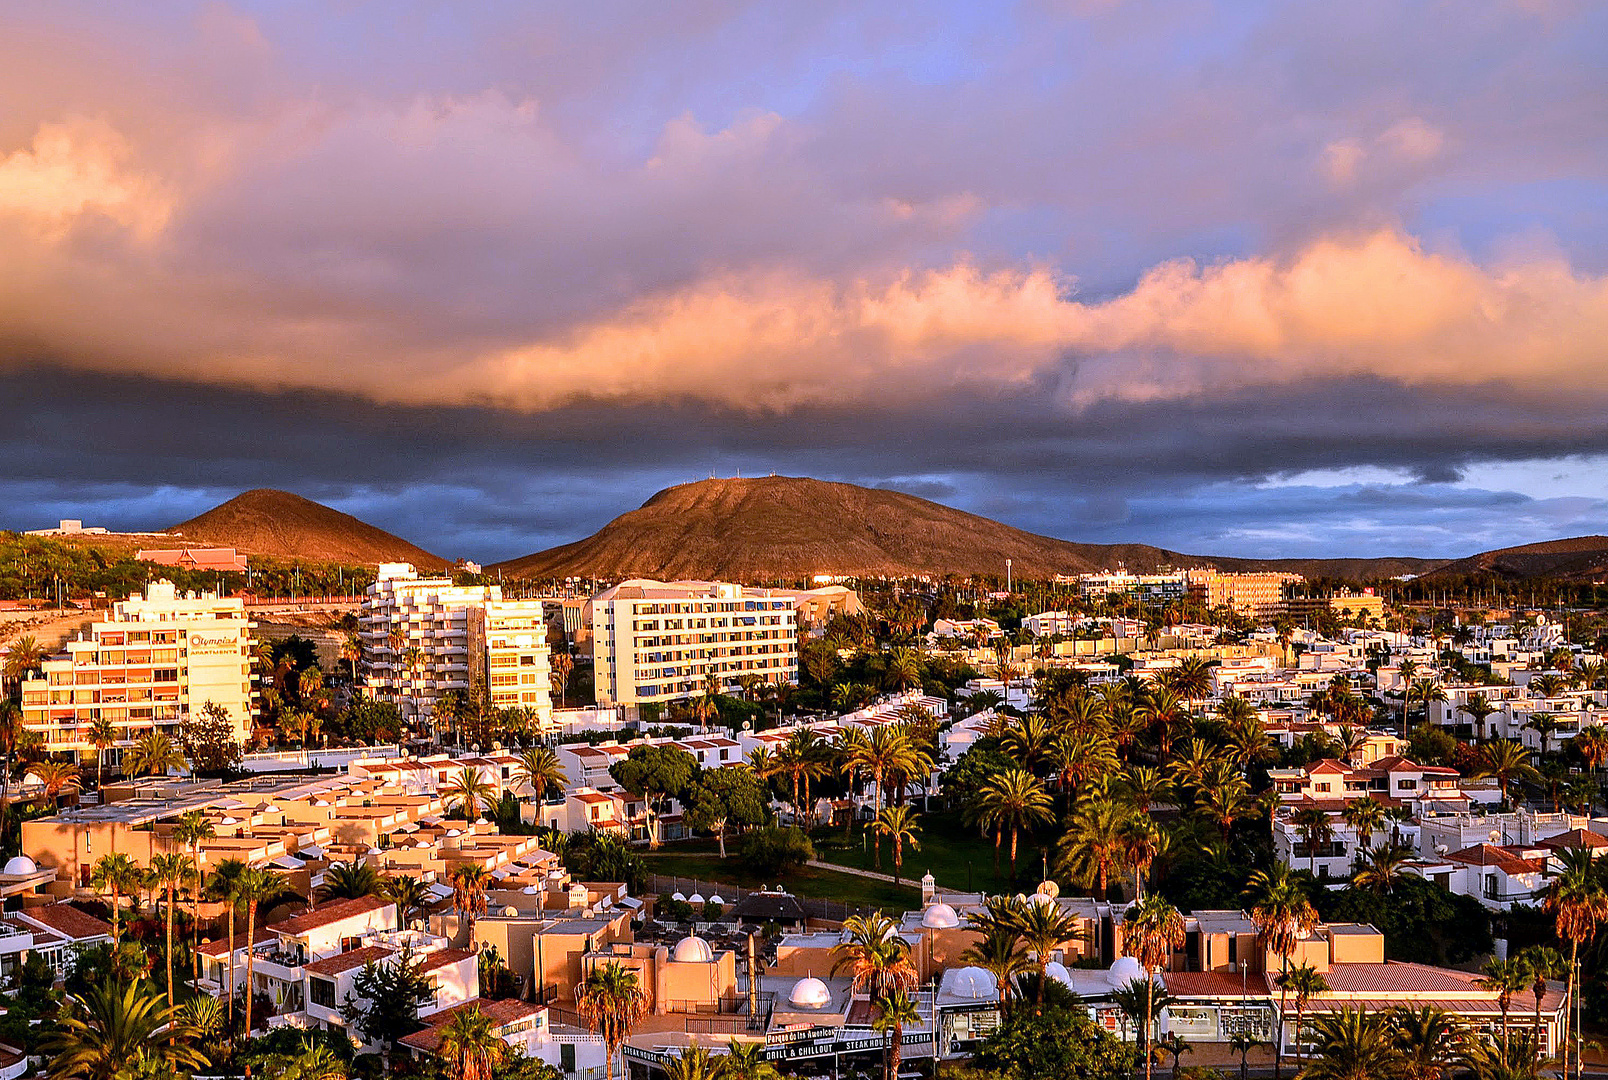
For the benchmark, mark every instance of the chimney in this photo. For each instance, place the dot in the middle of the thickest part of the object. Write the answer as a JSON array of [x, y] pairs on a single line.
[[929, 888]]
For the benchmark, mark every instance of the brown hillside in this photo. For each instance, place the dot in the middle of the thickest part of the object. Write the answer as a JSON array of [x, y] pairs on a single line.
[[785, 527], [269, 522], [1578, 558]]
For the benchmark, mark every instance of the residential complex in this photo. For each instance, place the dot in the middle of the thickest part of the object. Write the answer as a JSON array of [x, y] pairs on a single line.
[[156, 659], [656, 641], [426, 636], [1260, 595]]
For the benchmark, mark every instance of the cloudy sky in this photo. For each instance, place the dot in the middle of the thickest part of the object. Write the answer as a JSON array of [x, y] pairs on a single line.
[[1281, 278]]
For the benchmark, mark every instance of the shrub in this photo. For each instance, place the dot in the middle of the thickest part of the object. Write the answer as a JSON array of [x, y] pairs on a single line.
[[773, 849]]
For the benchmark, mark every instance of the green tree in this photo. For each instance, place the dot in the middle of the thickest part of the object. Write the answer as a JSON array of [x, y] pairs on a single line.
[[193, 827], [900, 825], [471, 792], [106, 1031], [1282, 914], [118, 875], [652, 773], [539, 768], [1505, 978], [385, 1001], [611, 1003], [722, 798], [1303, 980], [775, 849], [471, 1046], [209, 740], [1053, 1043], [410, 895], [1352, 1044], [1152, 931], [255, 887], [1011, 803], [172, 870], [1428, 1041], [350, 881]]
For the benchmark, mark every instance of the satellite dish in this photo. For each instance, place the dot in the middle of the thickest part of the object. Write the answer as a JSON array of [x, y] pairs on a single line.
[[1496, 836], [1440, 849]]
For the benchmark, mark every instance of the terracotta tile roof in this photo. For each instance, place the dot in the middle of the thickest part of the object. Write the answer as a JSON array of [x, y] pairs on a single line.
[[346, 961], [41, 937], [501, 1013], [219, 947], [327, 914], [1395, 977], [1501, 858], [443, 958], [1576, 838], [67, 921]]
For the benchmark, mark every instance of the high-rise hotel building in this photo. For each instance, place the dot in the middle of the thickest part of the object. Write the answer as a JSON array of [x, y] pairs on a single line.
[[655, 641], [157, 658], [426, 636]]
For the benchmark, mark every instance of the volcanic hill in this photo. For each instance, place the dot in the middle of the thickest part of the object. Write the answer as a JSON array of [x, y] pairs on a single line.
[[782, 527], [1580, 559], [268, 522]]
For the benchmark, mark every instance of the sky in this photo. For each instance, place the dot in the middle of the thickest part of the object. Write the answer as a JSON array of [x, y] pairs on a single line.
[[1279, 278]]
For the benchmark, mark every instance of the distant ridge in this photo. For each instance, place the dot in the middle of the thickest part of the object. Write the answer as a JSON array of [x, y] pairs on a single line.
[[268, 522], [783, 527], [1581, 559]]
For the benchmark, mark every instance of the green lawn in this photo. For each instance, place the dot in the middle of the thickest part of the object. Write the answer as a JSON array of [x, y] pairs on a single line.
[[956, 855], [694, 861]]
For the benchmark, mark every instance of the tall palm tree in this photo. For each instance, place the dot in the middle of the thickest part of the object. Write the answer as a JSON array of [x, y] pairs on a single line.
[[350, 881], [22, 658], [900, 825], [997, 952], [1479, 707], [1012, 802], [173, 870], [894, 1010], [1029, 742], [410, 895], [1165, 715], [255, 887], [1424, 691], [611, 1003], [1352, 1044], [1145, 785], [1303, 980], [224, 884], [1507, 760], [693, 1063], [1152, 931], [540, 769], [875, 955], [802, 758], [1142, 844], [1381, 867], [1043, 928], [190, 830], [1282, 915], [471, 1045], [118, 875], [56, 777], [106, 1031], [352, 652], [1366, 816], [1094, 845], [1226, 799], [1428, 1041], [469, 883], [1543, 962], [471, 792], [1505, 978], [102, 734], [153, 755], [1578, 903], [1314, 828], [1079, 757]]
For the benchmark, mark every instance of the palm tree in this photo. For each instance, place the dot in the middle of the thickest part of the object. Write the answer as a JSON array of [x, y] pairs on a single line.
[[539, 767], [1578, 903], [1507, 760], [471, 792], [255, 887], [1488, 1061], [410, 895], [191, 829], [899, 825], [1505, 978], [119, 875], [224, 884], [1043, 928], [1428, 1041], [610, 1003], [350, 881], [1152, 931], [1425, 691], [1164, 714], [1029, 741], [1543, 962], [22, 658], [1283, 915], [1314, 828], [102, 734], [469, 883], [111, 1027], [1012, 802], [1094, 845], [1142, 844], [56, 777], [1366, 816], [1479, 707], [875, 955], [1145, 785], [1352, 1044], [802, 758], [1080, 757], [1592, 745], [1226, 799], [1304, 980], [471, 1045], [693, 1063], [746, 1061], [310, 1061], [12, 736], [1381, 867], [172, 869], [352, 652], [1242, 1043], [894, 1010], [153, 755], [997, 953]]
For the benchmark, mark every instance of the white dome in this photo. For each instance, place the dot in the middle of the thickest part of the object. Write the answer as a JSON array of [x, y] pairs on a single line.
[[1041, 900], [810, 993], [20, 864], [695, 899], [693, 950], [1056, 970], [715, 899], [940, 917], [1124, 971], [974, 982], [679, 898]]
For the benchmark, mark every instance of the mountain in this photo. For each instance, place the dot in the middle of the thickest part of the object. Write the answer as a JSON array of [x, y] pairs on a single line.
[[269, 522], [784, 527], [1579, 559]]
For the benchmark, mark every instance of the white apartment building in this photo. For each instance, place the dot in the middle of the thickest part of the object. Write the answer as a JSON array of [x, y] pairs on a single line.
[[656, 641], [154, 660], [426, 636]]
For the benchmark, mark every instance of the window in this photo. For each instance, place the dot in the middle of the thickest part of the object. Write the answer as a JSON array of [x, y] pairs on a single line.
[[1406, 785], [323, 992]]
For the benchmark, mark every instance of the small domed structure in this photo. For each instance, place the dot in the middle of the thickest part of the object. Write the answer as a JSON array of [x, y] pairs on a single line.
[[1056, 970], [810, 993], [678, 897], [715, 899], [974, 982], [940, 917], [19, 864], [1049, 888], [696, 899], [1124, 971], [693, 950]]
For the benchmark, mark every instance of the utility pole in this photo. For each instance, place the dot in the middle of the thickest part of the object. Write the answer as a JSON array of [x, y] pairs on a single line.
[[1007, 575]]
